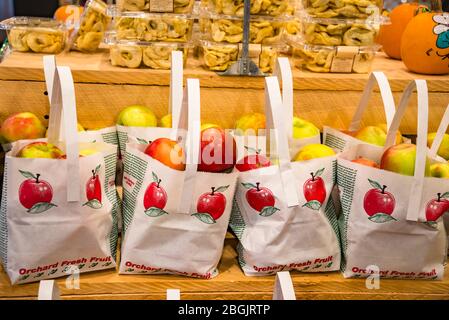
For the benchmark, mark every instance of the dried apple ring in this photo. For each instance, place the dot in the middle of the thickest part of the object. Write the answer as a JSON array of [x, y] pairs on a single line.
[[17, 37], [126, 56]]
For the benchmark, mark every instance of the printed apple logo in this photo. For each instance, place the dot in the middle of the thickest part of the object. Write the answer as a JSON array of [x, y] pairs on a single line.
[[155, 198], [260, 199], [314, 191], [211, 205], [379, 204], [436, 208], [93, 190], [35, 194]]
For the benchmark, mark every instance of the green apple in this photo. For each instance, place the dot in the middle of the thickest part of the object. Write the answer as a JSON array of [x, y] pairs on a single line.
[[401, 159], [373, 135], [312, 151], [383, 126], [439, 170], [250, 123], [40, 150], [443, 150], [137, 116], [304, 129]]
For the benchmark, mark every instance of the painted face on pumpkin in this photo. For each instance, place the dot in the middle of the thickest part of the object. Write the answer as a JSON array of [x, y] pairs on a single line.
[[442, 30]]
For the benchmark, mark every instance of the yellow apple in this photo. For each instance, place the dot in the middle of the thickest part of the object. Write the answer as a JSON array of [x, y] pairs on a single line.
[[383, 126], [209, 125], [137, 116], [304, 129], [23, 125], [40, 150], [373, 135], [312, 151], [443, 150], [439, 170], [400, 158], [79, 127], [250, 124], [165, 121]]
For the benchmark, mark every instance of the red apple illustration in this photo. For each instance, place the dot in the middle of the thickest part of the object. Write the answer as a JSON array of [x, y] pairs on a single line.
[[314, 190], [379, 204], [211, 205], [260, 199], [34, 194], [155, 198], [437, 207], [93, 190]]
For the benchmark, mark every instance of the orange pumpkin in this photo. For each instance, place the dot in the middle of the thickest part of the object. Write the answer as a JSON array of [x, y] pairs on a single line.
[[69, 14], [390, 34], [425, 43]]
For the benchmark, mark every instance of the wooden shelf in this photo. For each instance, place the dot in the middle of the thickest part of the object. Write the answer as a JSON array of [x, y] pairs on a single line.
[[103, 90], [231, 283]]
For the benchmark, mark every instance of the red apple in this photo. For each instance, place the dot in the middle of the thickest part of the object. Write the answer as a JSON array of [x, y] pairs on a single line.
[[213, 203], [155, 196], [314, 188], [167, 151], [93, 186], [252, 161], [218, 150], [378, 203], [35, 194], [366, 162], [436, 208], [23, 125]]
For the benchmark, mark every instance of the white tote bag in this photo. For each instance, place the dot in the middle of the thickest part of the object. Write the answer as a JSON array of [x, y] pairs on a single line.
[[178, 236], [282, 214], [59, 216], [388, 223], [341, 141]]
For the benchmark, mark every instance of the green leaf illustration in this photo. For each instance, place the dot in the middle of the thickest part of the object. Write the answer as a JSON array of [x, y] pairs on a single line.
[[52, 272], [94, 204], [107, 264], [445, 195], [93, 141], [249, 185], [317, 266], [155, 177], [97, 169], [306, 268], [41, 207], [375, 184], [93, 265], [222, 188], [65, 269], [319, 172], [129, 270], [431, 224], [204, 217], [81, 266], [155, 212], [434, 278], [329, 265], [40, 274], [27, 174], [142, 141], [381, 218], [312, 204], [22, 278], [268, 211]]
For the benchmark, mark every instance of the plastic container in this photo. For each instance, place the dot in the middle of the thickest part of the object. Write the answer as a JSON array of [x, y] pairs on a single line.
[[262, 7], [220, 56], [139, 26], [32, 34], [153, 55], [223, 28], [339, 59], [157, 6], [93, 25], [350, 9]]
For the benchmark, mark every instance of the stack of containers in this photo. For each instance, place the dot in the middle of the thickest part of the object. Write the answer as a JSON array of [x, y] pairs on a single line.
[[144, 33], [221, 26], [336, 35]]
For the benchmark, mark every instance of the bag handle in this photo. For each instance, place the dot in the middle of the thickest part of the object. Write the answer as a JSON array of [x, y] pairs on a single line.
[[283, 72], [440, 134], [191, 105], [416, 188], [63, 102], [274, 111], [387, 99], [176, 75]]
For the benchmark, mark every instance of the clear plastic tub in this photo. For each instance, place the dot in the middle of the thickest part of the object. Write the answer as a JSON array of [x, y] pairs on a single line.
[[262, 7], [351, 9], [338, 59], [153, 27], [220, 56], [93, 25], [223, 28], [153, 55], [32, 34], [167, 6]]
